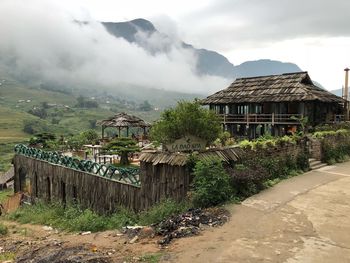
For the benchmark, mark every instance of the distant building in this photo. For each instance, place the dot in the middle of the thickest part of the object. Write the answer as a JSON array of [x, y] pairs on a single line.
[[252, 107]]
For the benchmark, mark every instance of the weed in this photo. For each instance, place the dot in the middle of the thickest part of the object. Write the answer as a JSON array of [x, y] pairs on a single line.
[[151, 258], [161, 211], [73, 218], [7, 256], [3, 230]]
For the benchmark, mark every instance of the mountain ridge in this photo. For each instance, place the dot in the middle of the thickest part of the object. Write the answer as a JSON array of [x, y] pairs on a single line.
[[209, 62]]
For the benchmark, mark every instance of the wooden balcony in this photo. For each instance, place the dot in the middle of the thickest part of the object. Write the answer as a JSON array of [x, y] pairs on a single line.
[[272, 118], [253, 118]]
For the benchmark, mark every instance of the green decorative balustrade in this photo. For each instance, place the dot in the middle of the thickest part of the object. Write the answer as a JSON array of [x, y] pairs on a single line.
[[125, 175]]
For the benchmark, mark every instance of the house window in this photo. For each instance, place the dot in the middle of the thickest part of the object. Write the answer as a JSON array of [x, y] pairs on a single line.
[[242, 109]]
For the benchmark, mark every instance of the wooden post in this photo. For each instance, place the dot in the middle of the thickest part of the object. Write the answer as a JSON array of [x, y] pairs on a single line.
[[127, 131], [346, 94], [103, 132], [119, 132]]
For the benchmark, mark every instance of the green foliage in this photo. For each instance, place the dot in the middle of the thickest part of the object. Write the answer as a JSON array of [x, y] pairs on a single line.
[[211, 184], [39, 112], [7, 257], [34, 126], [323, 134], [3, 230], [42, 139], [258, 171], [161, 211], [122, 146], [83, 102], [145, 106], [151, 258], [187, 118], [73, 218], [76, 142], [303, 121], [226, 139]]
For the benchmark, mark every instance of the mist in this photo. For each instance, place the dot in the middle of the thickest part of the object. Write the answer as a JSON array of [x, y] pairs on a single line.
[[41, 41]]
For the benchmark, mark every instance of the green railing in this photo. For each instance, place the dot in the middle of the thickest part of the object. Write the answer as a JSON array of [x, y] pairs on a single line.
[[125, 175]]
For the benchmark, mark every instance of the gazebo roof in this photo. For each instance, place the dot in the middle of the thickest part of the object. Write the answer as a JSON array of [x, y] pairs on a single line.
[[124, 120]]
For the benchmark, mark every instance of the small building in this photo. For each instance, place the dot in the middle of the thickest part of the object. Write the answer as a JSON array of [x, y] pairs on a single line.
[[276, 104]]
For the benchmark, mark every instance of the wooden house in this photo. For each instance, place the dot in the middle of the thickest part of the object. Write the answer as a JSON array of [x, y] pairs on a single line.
[[274, 104]]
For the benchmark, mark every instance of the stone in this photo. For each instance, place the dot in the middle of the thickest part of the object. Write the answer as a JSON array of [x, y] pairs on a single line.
[[133, 240]]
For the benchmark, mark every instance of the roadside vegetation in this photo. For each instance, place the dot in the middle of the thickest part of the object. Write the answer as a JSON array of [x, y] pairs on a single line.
[[73, 218]]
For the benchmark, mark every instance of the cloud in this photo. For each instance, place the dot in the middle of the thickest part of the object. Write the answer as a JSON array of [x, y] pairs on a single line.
[[41, 41], [237, 22]]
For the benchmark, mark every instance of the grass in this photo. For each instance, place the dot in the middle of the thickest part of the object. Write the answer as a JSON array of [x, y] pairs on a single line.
[[4, 194], [7, 256], [73, 218], [3, 230], [151, 258]]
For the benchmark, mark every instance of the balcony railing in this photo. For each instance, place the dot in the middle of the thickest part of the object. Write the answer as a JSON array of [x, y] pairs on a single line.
[[254, 118], [261, 118]]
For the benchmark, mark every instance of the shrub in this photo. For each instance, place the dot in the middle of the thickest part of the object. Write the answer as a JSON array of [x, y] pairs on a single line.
[[211, 184], [247, 179]]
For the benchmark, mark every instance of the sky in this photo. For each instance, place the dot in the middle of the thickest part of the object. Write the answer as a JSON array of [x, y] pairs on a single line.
[[314, 34], [37, 36]]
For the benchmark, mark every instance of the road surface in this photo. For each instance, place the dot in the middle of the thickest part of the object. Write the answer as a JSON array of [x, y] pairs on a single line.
[[302, 219]]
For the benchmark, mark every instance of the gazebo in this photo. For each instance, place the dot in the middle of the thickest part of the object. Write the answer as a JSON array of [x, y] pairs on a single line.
[[123, 120]]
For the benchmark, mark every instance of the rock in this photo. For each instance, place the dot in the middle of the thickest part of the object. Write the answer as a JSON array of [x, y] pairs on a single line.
[[146, 232], [134, 239], [47, 228], [85, 233]]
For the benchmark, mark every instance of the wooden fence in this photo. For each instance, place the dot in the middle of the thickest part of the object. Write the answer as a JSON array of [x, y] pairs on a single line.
[[49, 182]]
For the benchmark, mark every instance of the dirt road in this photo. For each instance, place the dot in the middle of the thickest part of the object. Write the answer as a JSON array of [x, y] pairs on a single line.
[[302, 219]]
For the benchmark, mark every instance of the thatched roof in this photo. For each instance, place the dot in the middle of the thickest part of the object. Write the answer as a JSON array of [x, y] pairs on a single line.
[[180, 159], [275, 88], [124, 120]]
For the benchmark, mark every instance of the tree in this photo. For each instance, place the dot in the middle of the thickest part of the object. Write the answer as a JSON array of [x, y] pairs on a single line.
[[187, 118], [122, 147], [82, 102], [145, 106]]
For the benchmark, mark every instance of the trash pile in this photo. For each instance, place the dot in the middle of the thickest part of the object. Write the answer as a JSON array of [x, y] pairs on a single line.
[[190, 223]]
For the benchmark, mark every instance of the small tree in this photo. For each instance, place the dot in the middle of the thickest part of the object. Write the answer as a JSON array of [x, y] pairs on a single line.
[[123, 147], [187, 118]]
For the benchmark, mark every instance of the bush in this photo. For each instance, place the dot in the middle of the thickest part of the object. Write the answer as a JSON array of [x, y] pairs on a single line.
[[211, 184]]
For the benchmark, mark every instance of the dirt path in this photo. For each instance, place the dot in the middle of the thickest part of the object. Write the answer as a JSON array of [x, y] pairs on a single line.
[[110, 245], [303, 219]]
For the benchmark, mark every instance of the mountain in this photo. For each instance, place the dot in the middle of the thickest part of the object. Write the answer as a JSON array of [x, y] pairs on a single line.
[[208, 62], [338, 92]]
